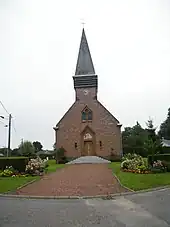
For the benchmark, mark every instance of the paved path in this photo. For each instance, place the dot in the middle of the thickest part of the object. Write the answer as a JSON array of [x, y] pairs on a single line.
[[76, 180], [141, 210]]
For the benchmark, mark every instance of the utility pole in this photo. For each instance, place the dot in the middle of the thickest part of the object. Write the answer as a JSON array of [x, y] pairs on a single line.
[[9, 135]]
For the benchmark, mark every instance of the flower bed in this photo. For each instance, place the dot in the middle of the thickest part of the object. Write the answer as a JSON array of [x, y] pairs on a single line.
[[136, 164], [158, 167], [9, 171], [136, 171], [35, 167]]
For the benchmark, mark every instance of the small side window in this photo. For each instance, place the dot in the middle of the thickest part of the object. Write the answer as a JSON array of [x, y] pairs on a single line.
[[100, 144]]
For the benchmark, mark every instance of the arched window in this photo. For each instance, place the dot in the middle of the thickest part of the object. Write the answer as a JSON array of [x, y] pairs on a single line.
[[86, 115]]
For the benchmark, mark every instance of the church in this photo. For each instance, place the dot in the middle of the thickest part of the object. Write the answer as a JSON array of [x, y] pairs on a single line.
[[88, 128]]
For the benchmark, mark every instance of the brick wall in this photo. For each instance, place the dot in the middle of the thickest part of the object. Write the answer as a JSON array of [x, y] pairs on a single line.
[[104, 125]]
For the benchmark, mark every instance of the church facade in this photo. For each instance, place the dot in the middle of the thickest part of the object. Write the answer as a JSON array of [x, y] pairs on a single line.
[[88, 128]]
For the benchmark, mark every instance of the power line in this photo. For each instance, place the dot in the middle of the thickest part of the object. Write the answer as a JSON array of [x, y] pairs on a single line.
[[4, 107]]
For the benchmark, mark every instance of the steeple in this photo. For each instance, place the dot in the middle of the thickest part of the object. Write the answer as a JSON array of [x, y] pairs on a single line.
[[85, 76], [84, 61]]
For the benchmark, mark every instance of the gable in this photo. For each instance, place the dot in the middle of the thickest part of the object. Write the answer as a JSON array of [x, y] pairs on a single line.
[[106, 110], [74, 113], [71, 107]]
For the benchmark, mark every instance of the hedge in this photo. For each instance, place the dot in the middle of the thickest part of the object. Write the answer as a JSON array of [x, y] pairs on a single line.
[[161, 157], [165, 150], [18, 163], [44, 156]]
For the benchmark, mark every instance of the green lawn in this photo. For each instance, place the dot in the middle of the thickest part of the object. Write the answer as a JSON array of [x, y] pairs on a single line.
[[53, 166], [136, 181], [12, 183]]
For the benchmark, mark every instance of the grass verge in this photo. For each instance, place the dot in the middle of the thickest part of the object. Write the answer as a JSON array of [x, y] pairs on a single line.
[[137, 182], [12, 183], [53, 166]]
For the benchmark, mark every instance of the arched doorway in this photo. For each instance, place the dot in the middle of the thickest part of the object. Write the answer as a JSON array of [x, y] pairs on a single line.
[[88, 142]]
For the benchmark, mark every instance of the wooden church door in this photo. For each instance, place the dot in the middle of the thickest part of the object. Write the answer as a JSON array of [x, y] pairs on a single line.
[[88, 148], [88, 144]]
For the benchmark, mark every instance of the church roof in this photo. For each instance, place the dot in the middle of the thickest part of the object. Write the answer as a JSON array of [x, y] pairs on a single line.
[[84, 61]]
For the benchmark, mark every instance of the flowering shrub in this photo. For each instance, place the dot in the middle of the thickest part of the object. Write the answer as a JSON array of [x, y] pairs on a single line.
[[134, 163], [130, 156], [158, 166], [36, 166], [9, 171], [125, 164]]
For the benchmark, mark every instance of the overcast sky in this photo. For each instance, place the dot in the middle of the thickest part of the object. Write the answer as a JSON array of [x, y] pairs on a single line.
[[129, 42]]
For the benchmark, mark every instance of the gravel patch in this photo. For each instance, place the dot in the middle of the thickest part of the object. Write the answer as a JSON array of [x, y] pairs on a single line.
[[89, 160]]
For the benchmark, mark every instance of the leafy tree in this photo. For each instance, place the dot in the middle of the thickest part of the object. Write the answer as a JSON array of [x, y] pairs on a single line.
[[16, 152], [37, 145], [153, 144], [3, 151], [133, 139], [165, 128], [26, 148]]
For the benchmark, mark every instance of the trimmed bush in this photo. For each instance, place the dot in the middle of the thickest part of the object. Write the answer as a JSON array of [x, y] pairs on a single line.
[[60, 156], [161, 157], [18, 163]]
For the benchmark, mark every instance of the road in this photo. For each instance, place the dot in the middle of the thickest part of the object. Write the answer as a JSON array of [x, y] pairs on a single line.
[[150, 209]]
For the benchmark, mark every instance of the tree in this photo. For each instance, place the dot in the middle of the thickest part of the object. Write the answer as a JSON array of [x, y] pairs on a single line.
[[151, 130], [133, 139], [16, 152], [26, 148], [152, 144], [37, 145], [164, 131], [3, 151]]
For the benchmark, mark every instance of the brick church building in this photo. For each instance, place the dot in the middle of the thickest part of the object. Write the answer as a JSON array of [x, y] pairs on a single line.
[[88, 128]]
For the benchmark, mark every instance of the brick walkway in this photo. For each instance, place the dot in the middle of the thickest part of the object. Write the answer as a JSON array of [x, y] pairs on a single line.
[[76, 180]]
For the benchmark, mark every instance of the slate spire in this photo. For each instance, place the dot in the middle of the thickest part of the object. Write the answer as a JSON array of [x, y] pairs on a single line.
[[84, 61]]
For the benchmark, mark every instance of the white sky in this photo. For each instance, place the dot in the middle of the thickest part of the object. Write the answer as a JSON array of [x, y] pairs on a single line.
[[130, 45]]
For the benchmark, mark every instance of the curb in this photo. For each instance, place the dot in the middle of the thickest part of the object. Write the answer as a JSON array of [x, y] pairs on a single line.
[[122, 184], [111, 196], [24, 185]]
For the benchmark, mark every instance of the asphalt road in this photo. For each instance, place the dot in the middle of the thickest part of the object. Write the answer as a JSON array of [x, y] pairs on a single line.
[[148, 209]]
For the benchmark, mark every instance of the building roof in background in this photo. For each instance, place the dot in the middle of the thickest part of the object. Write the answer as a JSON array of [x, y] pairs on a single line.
[[165, 143]]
